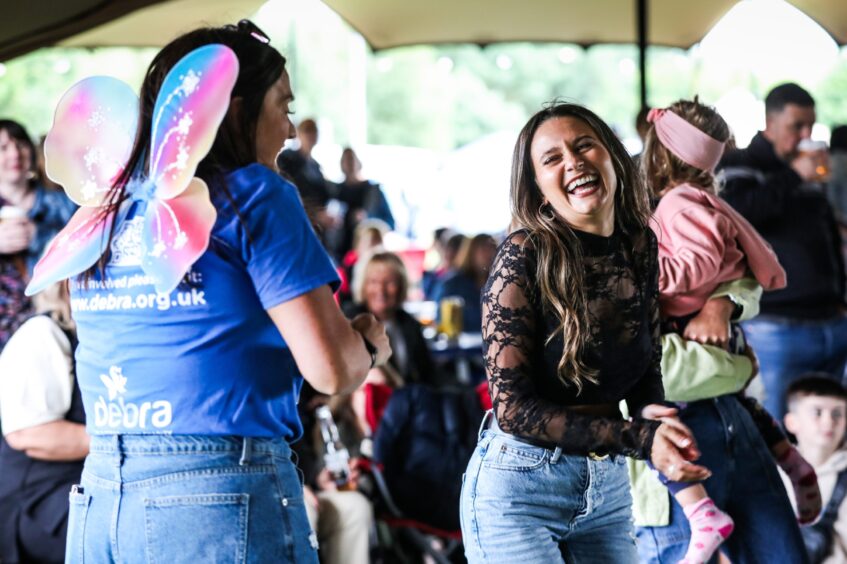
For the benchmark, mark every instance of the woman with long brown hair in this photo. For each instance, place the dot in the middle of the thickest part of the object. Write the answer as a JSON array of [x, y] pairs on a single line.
[[570, 328]]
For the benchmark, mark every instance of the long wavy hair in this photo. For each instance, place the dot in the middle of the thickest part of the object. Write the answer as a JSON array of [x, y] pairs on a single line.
[[559, 269], [260, 66], [663, 169]]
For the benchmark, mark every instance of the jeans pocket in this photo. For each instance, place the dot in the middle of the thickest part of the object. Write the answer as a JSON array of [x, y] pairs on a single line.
[[197, 528], [77, 516], [507, 456]]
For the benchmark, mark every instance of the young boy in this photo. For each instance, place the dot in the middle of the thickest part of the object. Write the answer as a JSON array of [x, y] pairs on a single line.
[[817, 406]]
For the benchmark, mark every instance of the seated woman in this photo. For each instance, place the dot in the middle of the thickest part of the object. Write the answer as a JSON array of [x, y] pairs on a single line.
[[30, 216], [44, 441], [466, 282], [380, 285]]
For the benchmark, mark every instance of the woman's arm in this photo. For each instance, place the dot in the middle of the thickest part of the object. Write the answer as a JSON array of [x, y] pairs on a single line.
[[55, 441], [509, 345], [329, 349]]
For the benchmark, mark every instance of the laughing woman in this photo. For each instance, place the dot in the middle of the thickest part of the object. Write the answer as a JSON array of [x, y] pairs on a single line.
[[571, 328]]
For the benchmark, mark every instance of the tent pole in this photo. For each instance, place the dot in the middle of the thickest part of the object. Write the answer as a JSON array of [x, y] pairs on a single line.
[[641, 20]]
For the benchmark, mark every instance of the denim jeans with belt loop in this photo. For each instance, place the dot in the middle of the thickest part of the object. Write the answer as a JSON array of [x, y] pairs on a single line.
[[525, 503], [188, 498]]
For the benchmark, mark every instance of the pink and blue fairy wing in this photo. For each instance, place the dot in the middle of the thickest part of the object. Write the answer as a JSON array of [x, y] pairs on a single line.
[[176, 233], [91, 138], [74, 249], [192, 102]]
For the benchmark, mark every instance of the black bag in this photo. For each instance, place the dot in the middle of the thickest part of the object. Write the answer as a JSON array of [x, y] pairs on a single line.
[[818, 537]]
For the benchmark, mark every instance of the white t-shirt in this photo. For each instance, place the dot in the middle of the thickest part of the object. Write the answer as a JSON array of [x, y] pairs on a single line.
[[36, 381]]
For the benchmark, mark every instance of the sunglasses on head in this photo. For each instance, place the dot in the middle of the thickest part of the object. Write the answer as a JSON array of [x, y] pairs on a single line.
[[246, 26]]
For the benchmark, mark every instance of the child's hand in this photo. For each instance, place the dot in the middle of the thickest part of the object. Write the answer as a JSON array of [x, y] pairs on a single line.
[[657, 412], [711, 325]]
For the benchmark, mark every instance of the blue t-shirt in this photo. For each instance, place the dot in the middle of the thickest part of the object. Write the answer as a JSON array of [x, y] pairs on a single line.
[[206, 359]]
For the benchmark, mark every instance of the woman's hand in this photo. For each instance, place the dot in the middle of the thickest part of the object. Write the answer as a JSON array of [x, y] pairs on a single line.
[[673, 450], [711, 325], [373, 331], [15, 235]]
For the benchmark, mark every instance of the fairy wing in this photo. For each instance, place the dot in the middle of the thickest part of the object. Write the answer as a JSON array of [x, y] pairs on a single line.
[[176, 233], [91, 138], [192, 102], [75, 249]]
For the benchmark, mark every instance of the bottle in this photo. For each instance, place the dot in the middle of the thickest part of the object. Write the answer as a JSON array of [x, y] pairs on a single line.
[[336, 455]]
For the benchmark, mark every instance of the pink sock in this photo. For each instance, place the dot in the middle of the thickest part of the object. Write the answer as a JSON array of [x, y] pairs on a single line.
[[709, 528], [805, 482]]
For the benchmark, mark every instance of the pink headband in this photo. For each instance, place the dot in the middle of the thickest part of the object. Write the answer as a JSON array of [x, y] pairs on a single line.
[[692, 146]]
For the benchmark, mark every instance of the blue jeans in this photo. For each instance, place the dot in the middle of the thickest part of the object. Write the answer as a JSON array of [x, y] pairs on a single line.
[[188, 498], [789, 348], [523, 503], [744, 483]]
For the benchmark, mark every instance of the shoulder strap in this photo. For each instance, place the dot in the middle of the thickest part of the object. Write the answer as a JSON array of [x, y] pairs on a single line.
[[830, 514]]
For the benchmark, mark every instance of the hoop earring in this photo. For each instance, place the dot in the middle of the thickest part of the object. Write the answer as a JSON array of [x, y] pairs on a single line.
[[548, 208]]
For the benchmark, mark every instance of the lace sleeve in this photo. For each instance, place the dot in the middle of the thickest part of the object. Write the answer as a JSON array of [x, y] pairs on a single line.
[[650, 388], [511, 344]]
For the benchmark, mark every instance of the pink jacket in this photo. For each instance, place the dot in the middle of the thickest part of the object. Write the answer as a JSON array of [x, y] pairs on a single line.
[[703, 242]]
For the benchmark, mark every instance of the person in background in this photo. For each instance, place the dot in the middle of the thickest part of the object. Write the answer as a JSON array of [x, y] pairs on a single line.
[[467, 280], [803, 327], [360, 199], [367, 239], [837, 184], [303, 170], [44, 442], [30, 216], [380, 287], [817, 416], [446, 245]]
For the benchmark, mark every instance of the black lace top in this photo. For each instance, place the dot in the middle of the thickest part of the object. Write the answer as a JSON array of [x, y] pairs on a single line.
[[621, 279]]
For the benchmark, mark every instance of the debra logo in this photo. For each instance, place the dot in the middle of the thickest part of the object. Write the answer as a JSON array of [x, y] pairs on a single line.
[[117, 413]]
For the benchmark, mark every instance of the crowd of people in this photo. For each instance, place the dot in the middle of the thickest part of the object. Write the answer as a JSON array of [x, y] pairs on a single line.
[[661, 376]]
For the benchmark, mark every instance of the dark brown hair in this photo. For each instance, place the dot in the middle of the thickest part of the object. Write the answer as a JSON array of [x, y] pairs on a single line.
[[260, 66], [18, 133]]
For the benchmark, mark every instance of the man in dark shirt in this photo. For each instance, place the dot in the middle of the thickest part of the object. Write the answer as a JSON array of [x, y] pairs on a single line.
[[802, 328]]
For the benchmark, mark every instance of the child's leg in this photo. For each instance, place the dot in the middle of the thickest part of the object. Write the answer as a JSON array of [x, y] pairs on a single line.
[[801, 473], [807, 494], [709, 525]]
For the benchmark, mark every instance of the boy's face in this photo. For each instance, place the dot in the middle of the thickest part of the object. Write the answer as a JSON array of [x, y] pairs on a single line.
[[817, 421]]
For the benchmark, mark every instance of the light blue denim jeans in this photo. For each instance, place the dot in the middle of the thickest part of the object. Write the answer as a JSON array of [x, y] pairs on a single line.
[[188, 498], [527, 504]]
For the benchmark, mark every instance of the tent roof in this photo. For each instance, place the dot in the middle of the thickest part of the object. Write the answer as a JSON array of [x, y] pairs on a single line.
[[27, 25], [389, 23], [393, 23]]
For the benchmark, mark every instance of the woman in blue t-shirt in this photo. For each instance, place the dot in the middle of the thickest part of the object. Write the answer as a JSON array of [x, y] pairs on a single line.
[[190, 396]]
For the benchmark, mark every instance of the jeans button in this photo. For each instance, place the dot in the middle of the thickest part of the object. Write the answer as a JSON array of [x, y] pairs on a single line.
[[285, 502], [730, 428]]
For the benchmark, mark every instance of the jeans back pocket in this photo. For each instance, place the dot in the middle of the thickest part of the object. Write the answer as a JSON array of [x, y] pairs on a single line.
[[197, 528], [79, 502]]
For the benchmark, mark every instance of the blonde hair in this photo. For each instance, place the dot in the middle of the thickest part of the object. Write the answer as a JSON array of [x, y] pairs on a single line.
[[360, 274], [663, 169]]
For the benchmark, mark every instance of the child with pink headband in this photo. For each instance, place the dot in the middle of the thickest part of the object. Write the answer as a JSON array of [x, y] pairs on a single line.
[[703, 243]]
